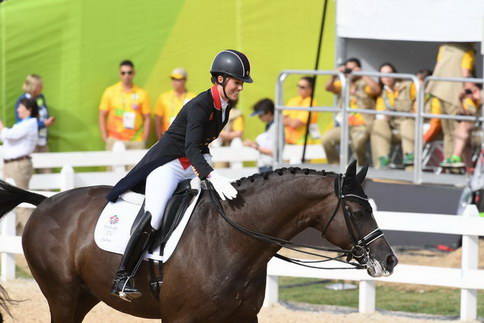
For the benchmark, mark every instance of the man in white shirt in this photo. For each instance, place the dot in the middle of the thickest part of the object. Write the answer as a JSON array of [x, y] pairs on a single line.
[[264, 109]]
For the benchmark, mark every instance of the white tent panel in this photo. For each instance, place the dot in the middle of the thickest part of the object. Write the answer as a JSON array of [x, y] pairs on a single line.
[[413, 20]]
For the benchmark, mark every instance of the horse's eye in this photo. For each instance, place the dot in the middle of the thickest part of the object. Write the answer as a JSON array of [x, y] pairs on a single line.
[[358, 214]]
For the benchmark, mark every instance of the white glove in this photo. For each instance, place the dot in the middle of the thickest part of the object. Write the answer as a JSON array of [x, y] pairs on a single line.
[[195, 183], [222, 185], [208, 158]]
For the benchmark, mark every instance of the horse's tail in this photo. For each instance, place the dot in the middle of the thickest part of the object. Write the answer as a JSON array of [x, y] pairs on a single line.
[[11, 196]]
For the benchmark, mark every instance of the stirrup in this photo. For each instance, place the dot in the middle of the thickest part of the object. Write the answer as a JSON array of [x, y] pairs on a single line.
[[121, 292]]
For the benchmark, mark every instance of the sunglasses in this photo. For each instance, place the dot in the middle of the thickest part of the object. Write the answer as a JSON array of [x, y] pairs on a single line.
[[127, 72]]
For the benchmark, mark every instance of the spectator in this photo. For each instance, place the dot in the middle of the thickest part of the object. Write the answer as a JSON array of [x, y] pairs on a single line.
[[18, 143], [170, 103], [363, 92], [470, 105], [398, 96], [264, 109], [422, 74], [32, 88], [432, 129], [124, 111], [453, 60], [295, 121]]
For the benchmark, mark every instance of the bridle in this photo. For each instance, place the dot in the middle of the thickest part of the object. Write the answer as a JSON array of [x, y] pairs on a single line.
[[359, 250]]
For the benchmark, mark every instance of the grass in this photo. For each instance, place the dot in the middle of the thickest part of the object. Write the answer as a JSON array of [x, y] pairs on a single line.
[[435, 301]]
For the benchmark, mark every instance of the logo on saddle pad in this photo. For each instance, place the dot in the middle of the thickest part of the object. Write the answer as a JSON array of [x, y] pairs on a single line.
[[114, 225], [113, 219]]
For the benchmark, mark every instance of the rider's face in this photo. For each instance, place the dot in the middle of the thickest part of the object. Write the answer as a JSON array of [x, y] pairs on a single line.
[[233, 87]]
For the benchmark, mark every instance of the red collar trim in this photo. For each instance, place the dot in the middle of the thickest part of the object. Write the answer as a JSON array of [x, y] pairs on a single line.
[[217, 104]]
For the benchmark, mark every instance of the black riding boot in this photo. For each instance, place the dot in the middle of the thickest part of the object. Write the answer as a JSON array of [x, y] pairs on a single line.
[[138, 244]]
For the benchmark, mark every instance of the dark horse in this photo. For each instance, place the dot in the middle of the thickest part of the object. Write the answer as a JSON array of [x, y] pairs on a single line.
[[217, 273]]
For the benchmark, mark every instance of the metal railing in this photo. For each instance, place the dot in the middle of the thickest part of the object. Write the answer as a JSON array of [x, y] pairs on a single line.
[[279, 107], [346, 109], [419, 115]]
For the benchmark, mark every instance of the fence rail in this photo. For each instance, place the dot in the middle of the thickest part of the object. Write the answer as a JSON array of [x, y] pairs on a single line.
[[468, 278]]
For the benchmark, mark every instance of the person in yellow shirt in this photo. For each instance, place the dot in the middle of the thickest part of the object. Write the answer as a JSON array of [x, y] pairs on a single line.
[[470, 105], [398, 96], [295, 121], [363, 91], [453, 60], [124, 111], [170, 103]]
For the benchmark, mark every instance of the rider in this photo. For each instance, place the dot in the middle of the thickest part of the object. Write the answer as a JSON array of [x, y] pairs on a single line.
[[182, 153]]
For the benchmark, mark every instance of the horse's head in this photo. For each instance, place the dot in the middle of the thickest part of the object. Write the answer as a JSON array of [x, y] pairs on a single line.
[[353, 227]]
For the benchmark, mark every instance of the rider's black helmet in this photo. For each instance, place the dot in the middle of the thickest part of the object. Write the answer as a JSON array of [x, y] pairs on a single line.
[[232, 63]]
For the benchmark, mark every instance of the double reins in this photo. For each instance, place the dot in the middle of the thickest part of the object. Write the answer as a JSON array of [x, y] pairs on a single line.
[[359, 250]]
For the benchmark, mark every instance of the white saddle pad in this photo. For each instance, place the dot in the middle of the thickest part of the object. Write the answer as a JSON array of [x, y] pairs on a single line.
[[114, 225]]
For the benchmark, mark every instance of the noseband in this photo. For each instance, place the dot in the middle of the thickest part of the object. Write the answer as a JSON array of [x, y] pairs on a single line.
[[359, 250]]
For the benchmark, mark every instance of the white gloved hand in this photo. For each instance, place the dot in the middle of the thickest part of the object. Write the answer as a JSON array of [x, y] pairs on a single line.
[[208, 158], [222, 185], [195, 183]]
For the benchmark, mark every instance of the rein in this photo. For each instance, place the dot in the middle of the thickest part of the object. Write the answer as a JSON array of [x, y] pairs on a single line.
[[359, 250]]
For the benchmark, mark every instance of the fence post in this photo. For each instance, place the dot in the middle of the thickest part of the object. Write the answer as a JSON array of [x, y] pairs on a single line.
[[272, 291], [8, 259], [470, 256], [367, 296], [67, 178], [236, 143], [119, 146]]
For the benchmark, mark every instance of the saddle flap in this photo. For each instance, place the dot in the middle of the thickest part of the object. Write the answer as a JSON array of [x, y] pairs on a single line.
[[174, 211]]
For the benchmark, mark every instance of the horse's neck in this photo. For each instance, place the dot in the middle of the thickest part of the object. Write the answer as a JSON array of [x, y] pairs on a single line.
[[280, 207]]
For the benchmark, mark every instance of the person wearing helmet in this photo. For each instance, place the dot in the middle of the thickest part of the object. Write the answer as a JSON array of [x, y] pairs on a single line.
[[181, 153]]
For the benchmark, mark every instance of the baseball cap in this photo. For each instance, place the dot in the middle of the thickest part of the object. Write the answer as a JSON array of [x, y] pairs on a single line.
[[257, 112], [263, 106], [178, 73]]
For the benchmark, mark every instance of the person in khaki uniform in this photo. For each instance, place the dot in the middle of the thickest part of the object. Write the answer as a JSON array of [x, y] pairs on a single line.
[[470, 105], [453, 60], [363, 91], [398, 96]]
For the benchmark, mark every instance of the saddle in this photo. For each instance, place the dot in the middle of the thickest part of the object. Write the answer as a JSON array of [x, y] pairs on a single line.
[[173, 214]]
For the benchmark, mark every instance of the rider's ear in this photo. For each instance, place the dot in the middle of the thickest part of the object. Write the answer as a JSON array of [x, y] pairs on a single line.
[[360, 177], [351, 170]]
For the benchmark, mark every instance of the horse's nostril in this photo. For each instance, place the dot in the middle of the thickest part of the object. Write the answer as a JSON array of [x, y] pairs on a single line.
[[392, 261]]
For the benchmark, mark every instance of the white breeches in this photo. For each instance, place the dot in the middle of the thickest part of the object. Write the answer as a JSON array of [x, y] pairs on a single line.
[[161, 183]]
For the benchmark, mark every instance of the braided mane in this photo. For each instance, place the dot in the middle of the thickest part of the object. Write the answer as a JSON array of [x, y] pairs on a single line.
[[281, 172]]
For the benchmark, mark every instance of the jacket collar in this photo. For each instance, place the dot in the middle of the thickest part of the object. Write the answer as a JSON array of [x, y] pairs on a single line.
[[216, 98]]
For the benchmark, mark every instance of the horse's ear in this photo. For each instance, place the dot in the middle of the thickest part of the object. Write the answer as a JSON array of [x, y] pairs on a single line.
[[360, 177], [351, 170]]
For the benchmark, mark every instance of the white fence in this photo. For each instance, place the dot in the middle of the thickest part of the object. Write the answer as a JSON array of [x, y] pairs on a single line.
[[468, 278]]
